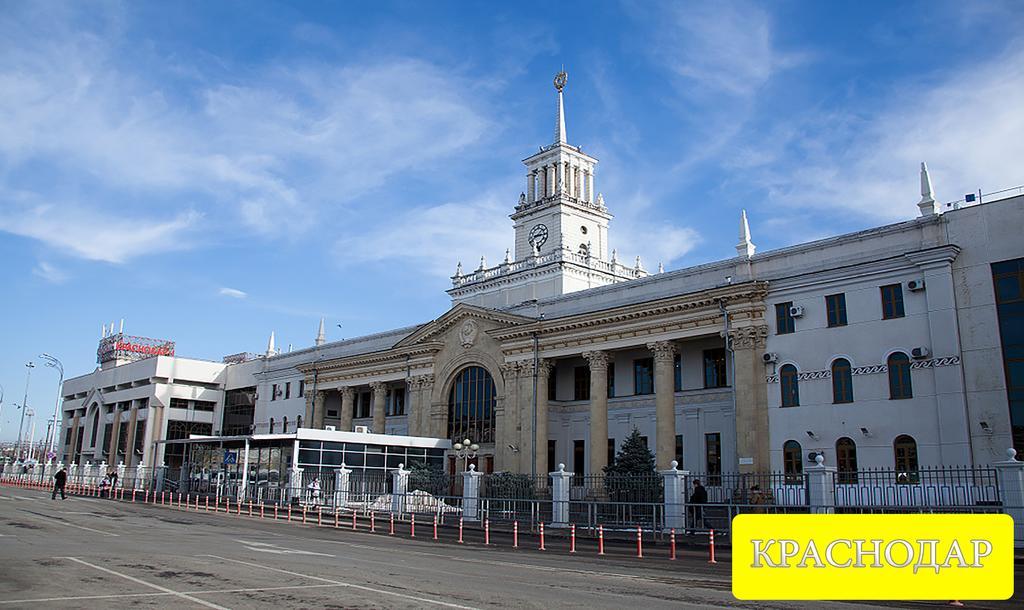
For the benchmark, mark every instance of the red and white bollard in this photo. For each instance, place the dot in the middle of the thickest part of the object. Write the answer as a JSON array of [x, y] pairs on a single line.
[[289, 513], [238, 508], [303, 514], [672, 545], [639, 543], [515, 534], [412, 526], [391, 531], [373, 522], [711, 546], [207, 503], [600, 540], [435, 527], [275, 512], [250, 508], [337, 518], [179, 500], [460, 530], [572, 538], [542, 536], [261, 509], [353, 520], [133, 495], [319, 516], [487, 532], [188, 501]]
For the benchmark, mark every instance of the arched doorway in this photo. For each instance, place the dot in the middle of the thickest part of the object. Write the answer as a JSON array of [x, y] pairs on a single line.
[[471, 411]]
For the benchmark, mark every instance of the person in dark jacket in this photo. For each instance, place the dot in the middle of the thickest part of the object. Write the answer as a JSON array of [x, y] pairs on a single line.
[[59, 480], [698, 497]]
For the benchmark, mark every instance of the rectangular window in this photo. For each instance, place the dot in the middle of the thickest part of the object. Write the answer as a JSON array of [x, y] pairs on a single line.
[[643, 439], [714, 368], [611, 451], [395, 404], [677, 365], [362, 404], [332, 413], [581, 383], [302, 388], [273, 392], [287, 390], [679, 450], [643, 376], [892, 301], [552, 462], [1008, 280], [179, 403], [835, 308], [713, 457], [203, 405], [783, 321], [579, 459], [611, 380]]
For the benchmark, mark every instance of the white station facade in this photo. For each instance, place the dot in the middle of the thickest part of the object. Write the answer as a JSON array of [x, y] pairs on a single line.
[[901, 346]]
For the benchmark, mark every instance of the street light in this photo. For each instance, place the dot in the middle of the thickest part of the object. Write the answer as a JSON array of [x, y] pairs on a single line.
[[53, 362], [466, 450], [28, 377], [1, 403]]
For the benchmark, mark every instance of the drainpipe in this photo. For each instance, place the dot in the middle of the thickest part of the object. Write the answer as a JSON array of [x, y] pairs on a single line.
[[536, 361], [732, 362]]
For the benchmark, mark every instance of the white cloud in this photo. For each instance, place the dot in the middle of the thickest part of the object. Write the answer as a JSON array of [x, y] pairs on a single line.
[[49, 273], [233, 293]]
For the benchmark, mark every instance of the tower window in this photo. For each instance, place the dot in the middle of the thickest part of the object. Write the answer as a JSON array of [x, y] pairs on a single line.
[[583, 230]]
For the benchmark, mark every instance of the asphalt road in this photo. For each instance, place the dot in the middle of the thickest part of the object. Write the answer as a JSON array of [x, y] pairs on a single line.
[[96, 553]]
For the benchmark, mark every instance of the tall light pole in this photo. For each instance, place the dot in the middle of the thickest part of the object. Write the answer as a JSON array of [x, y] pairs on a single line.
[[1, 404], [24, 403], [53, 362]]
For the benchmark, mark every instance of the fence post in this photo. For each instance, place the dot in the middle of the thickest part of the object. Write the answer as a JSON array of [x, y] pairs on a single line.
[[341, 477], [140, 472], [120, 475], [560, 483], [161, 474], [1011, 491], [471, 494], [675, 479], [400, 483], [821, 491], [294, 484]]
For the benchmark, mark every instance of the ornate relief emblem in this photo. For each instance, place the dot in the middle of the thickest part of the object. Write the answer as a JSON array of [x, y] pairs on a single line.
[[467, 334]]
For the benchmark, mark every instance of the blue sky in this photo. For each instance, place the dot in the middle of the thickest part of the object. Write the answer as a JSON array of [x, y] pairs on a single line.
[[214, 171]]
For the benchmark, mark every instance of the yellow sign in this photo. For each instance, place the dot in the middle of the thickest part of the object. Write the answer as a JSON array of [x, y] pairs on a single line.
[[867, 557]]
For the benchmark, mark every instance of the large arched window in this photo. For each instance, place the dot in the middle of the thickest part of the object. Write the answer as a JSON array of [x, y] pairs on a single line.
[[271, 425], [905, 454], [842, 381], [792, 462], [95, 425], [899, 376], [790, 390], [846, 460], [471, 406]]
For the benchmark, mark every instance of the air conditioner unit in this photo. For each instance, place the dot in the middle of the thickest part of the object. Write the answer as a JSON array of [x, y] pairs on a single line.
[[331, 428], [915, 285], [796, 311], [919, 353], [770, 357], [812, 456], [362, 429]]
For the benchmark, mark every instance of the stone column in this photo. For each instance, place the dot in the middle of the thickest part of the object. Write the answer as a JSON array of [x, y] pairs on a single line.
[[1010, 474], [115, 435], [560, 483], [151, 454], [549, 172], [341, 477], [129, 445], [319, 405], [348, 396], [74, 437], [751, 395], [590, 186], [664, 401], [598, 411], [821, 490], [529, 187], [541, 433], [399, 488], [379, 390], [471, 494]]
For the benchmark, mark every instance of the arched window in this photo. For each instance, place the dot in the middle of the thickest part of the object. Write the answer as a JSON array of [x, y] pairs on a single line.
[[846, 460], [471, 406], [584, 250], [284, 425], [904, 450], [790, 390], [271, 425], [792, 462], [899, 376], [842, 381], [95, 425]]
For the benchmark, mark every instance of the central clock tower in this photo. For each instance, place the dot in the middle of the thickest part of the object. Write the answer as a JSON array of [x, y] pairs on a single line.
[[559, 209]]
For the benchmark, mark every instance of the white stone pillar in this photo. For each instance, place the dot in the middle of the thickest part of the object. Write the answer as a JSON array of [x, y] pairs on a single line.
[[1011, 490], [379, 394], [821, 491], [590, 186], [471, 494], [598, 362], [675, 508], [294, 484], [120, 474], [664, 401], [560, 483], [399, 487], [341, 486], [140, 474], [529, 186]]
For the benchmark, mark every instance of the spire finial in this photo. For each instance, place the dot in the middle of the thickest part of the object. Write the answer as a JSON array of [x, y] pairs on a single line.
[[746, 248], [927, 203], [560, 79], [321, 337], [270, 345]]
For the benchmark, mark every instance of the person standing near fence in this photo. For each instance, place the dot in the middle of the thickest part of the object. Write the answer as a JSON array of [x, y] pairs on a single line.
[[698, 497], [113, 481], [59, 480]]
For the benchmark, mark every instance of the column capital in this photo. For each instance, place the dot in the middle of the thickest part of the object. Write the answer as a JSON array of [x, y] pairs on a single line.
[[663, 350], [597, 359], [421, 381], [749, 337], [378, 386], [347, 392]]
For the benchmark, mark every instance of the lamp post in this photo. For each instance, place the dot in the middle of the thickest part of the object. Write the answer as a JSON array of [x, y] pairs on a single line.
[[1, 404], [28, 377], [466, 450], [53, 362]]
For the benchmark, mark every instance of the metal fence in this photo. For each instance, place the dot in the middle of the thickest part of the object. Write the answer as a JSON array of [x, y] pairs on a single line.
[[755, 489], [920, 489]]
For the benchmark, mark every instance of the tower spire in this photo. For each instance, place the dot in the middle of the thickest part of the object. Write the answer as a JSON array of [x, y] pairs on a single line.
[[927, 203], [321, 337], [745, 249], [270, 346], [560, 80]]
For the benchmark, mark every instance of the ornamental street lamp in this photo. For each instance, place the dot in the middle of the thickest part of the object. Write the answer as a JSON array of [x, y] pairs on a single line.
[[51, 434], [466, 450], [28, 377]]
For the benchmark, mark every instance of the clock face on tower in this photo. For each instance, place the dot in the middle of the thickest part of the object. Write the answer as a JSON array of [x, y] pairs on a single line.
[[538, 235]]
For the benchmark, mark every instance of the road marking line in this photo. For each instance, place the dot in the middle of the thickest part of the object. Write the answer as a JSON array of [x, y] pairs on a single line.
[[148, 584], [82, 527], [56, 519], [347, 585], [273, 548], [161, 594]]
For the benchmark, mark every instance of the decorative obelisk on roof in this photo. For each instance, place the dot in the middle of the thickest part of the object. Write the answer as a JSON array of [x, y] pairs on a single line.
[[321, 337], [927, 204], [560, 79], [271, 350], [745, 249]]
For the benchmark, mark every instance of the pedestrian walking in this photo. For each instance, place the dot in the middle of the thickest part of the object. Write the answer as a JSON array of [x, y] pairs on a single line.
[[59, 480], [697, 498], [113, 479]]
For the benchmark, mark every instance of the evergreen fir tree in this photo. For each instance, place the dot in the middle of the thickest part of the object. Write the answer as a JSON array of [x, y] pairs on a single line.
[[633, 458]]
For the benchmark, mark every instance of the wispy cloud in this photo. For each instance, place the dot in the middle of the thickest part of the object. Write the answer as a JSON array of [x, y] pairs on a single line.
[[49, 273], [233, 293]]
